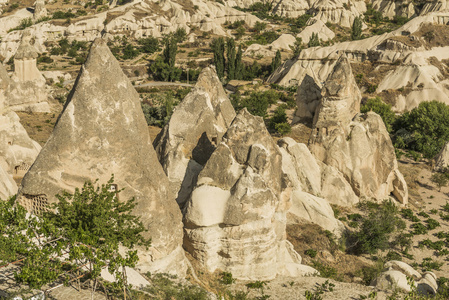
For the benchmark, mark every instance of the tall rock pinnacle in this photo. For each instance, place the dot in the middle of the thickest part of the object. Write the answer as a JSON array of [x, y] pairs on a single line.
[[102, 131]]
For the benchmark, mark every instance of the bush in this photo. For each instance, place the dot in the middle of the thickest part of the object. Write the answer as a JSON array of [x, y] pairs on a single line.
[[382, 109], [426, 128], [226, 278], [149, 45], [310, 252], [376, 229]]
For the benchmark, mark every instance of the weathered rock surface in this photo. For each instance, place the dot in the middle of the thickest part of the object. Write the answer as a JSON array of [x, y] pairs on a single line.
[[308, 97], [308, 202], [357, 145], [340, 97], [314, 177], [442, 158], [236, 216], [17, 153], [102, 131], [390, 8], [194, 131], [395, 276]]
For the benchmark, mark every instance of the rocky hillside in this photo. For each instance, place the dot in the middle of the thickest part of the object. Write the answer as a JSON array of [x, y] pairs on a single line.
[[271, 149]]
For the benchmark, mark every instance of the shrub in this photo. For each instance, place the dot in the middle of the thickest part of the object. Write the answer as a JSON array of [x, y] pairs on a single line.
[[226, 278], [432, 224], [310, 252], [376, 229], [418, 228], [325, 270]]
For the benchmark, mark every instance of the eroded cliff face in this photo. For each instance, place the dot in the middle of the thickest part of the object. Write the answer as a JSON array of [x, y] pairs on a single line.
[[102, 131]]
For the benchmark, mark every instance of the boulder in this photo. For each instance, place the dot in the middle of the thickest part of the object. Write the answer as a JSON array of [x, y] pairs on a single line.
[[396, 275], [304, 172], [196, 127], [357, 145], [102, 131], [235, 219], [312, 209]]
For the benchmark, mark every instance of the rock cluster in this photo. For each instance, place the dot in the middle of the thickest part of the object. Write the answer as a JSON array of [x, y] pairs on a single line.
[[102, 131], [236, 216], [358, 145], [395, 276], [193, 133]]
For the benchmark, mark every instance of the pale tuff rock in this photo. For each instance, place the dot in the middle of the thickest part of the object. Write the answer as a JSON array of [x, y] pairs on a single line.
[[442, 158], [235, 219], [39, 10], [395, 276], [308, 97], [193, 133], [25, 68], [416, 68], [308, 203], [340, 97], [434, 6], [290, 8], [312, 209], [102, 131], [337, 11], [27, 90], [17, 152], [283, 43], [390, 8], [8, 186], [318, 27], [357, 145]]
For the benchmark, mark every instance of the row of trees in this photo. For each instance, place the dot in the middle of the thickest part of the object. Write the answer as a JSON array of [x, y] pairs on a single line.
[[232, 65]]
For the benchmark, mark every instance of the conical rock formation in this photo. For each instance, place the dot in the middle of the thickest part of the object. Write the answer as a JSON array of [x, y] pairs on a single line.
[[102, 131], [357, 145], [235, 217], [194, 131], [340, 97]]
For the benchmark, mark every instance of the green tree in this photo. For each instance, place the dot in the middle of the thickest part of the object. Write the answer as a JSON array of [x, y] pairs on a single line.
[[149, 45], [314, 40], [276, 61], [297, 47], [440, 179], [180, 35], [231, 57], [90, 225], [238, 64], [259, 27], [169, 53], [424, 129], [382, 109], [356, 33], [218, 47], [239, 32]]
